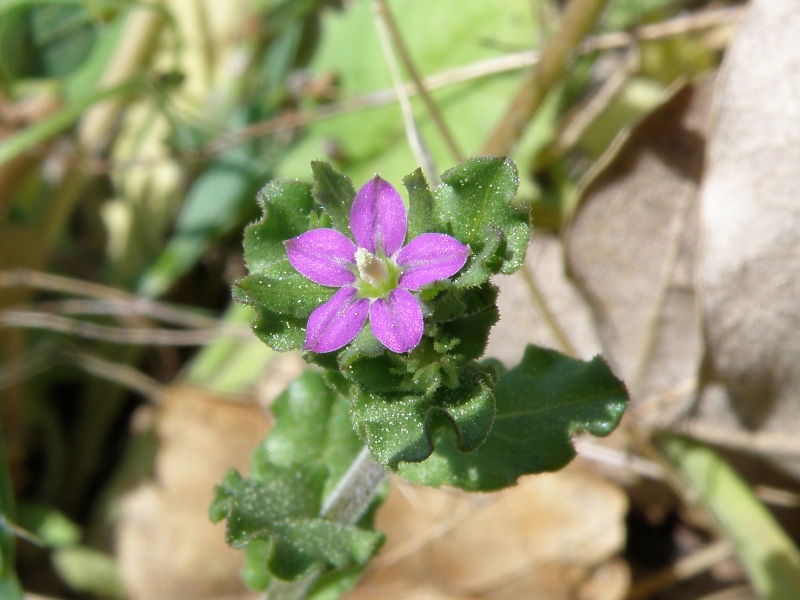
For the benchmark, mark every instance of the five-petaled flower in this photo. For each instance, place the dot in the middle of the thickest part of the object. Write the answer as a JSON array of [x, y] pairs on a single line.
[[376, 276]]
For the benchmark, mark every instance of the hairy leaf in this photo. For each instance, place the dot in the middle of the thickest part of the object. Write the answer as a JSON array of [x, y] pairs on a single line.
[[334, 192], [312, 426], [420, 204], [475, 203], [541, 403], [274, 513], [402, 427], [281, 297], [282, 505]]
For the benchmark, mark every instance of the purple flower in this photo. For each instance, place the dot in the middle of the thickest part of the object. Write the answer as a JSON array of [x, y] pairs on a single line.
[[376, 276]]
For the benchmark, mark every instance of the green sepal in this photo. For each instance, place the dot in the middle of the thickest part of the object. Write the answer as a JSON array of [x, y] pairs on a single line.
[[334, 191], [476, 204], [541, 403], [402, 427]]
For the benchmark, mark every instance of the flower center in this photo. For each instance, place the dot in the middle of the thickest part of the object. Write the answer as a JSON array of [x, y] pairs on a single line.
[[377, 276]]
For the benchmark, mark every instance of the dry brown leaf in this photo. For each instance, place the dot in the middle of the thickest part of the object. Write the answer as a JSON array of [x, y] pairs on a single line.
[[750, 267], [631, 247], [546, 538], [522, 318], [167, 547]]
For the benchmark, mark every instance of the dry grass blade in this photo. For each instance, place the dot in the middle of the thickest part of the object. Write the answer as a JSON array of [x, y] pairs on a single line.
[[114, 300], [146, 336], [405, 56], [766, 443], [577, 21], [288, 121], [418, 147]]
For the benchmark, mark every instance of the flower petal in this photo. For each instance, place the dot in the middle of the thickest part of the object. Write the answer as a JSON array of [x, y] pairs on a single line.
[[378, 217], [397, 321], [323, 256], [430, 257], [335, 323]]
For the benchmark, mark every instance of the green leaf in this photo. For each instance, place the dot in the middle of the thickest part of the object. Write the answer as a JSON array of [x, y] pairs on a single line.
[[312, 426], [282, 505], [279, 332], [475, 202], [288, 206], [45, 41], [280, 289], [470, 331], [335, 193], [402, 427], [541, 404], [274, 513], [769, 556], [282, 298], [420, 205]]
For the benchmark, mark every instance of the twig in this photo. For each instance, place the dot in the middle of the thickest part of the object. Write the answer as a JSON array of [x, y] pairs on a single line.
[[769, 443], [578, 120], [116, 300], [45, 358], [289, 121], [777, 496], [385, 13], [549, 318], [118, 335], [134, 307], [421, 152], [121, 374], [623, 460], [578, 19], [735, 592], [685, 568]]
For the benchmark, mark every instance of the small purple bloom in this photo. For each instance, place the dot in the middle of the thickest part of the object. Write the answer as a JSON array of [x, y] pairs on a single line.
[[376, 274]]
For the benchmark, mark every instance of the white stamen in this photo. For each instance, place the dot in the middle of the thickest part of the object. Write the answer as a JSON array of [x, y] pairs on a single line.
[[371, 269]]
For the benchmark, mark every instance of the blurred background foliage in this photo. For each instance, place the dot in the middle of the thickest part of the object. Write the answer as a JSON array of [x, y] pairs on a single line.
[[133, 139]]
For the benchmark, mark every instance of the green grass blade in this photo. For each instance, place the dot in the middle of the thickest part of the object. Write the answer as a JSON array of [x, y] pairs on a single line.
[[769, 556]]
